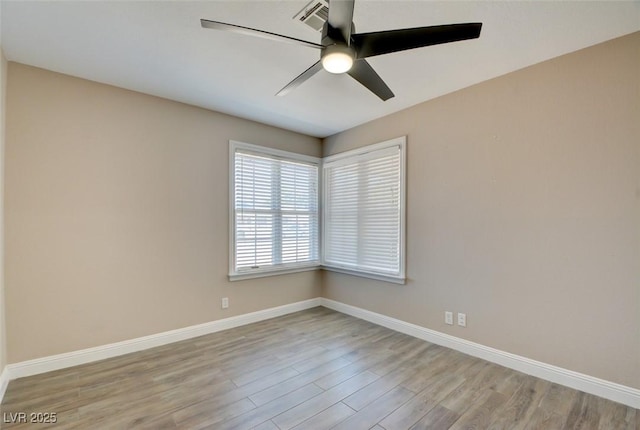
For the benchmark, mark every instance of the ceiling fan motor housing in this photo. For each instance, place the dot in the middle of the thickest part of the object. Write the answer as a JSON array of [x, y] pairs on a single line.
[[331, 35]]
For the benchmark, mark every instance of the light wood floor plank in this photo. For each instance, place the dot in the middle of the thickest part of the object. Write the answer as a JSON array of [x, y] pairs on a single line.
[[267, 425], [373, 391], [306, 410], [544, 419], [291, 384], [210, 412], [478, 416], [437, 418], [328, 418], [519, 408], [411, 412], [272, 409], [584, 413], [377, 410]]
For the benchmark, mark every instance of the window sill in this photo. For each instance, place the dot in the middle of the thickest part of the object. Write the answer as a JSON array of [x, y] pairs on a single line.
[[370, 275], [252, 275]]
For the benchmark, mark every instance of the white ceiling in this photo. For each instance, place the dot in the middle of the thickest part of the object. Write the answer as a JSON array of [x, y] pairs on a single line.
[[159, 48]]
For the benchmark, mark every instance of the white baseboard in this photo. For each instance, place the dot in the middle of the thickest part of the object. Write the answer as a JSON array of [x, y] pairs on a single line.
[[589, 384], [74, 358], [4, 382]]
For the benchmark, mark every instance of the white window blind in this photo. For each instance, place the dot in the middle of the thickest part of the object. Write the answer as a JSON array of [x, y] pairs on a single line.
[[364, 211], [275, 210]]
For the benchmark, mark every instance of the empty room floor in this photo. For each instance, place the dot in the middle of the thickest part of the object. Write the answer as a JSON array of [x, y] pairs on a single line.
[[315, 369]]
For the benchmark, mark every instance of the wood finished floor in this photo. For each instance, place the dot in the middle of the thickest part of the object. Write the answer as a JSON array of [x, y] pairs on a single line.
[[316, 369]]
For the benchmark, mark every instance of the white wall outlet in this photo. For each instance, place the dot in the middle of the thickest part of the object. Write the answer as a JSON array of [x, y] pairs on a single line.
[[462, 319], [225, 302], [448, 318]]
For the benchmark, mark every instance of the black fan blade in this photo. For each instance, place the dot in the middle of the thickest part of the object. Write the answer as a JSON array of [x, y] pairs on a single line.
[[300, 79], [205, 23], [386, 42], [364, 73], [341, 16]]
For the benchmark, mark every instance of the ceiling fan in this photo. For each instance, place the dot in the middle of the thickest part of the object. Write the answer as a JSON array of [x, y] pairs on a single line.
[[342, 50]]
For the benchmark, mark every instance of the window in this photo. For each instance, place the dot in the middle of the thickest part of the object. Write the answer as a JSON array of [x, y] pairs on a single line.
[[274, 205], [363, 211]]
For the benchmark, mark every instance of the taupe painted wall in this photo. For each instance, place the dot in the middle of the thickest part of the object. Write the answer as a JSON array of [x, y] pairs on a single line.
[[524, 212], [3, 87], [117, 215]]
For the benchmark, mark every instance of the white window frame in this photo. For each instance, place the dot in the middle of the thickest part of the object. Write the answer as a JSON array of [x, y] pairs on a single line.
[[400, 142], [272, 270]]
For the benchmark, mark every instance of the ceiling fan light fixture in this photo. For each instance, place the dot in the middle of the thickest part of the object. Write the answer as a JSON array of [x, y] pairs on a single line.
[[337, 59]]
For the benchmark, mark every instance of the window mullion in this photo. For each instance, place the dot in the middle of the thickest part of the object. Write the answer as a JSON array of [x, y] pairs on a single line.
[[361, 214], [276, 207]]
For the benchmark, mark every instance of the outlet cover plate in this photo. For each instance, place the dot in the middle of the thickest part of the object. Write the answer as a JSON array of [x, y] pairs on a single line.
[[448, 318], [462, 319]]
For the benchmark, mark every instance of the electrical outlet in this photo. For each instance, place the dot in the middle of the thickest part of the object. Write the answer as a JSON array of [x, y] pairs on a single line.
[[225, 302], [448, 318], [462, 319]]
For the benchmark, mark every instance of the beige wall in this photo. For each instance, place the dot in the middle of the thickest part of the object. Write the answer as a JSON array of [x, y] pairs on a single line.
[[3, 86], [117, 215], [524, 212]]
